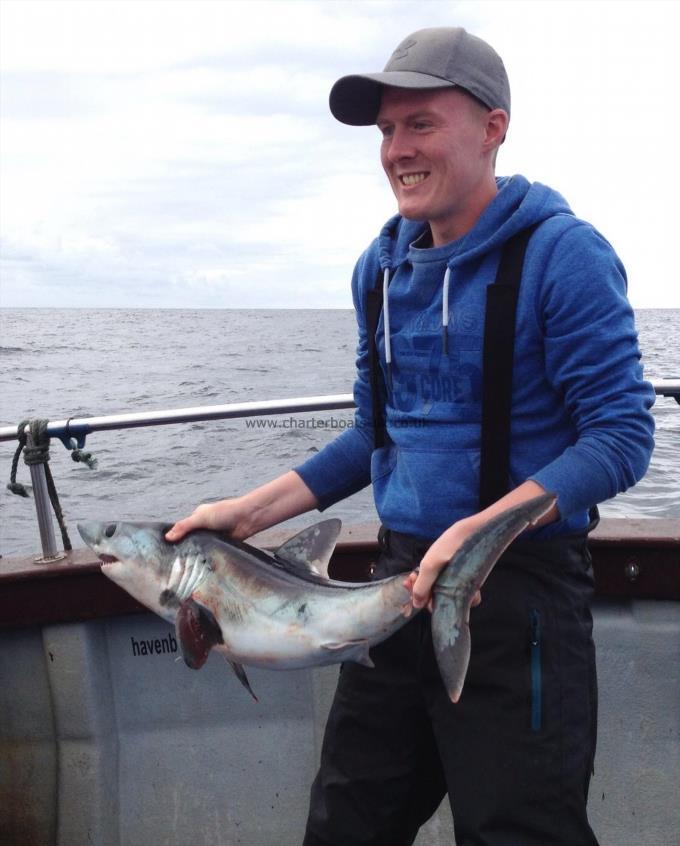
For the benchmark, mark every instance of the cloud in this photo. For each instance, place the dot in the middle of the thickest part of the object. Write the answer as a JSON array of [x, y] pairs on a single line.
[[182, 153]]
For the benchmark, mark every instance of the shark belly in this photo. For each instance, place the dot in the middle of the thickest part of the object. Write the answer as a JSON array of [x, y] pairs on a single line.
[[308, 629]]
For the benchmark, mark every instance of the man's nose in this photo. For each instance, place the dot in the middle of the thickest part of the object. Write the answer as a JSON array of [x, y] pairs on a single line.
[[400, 146]]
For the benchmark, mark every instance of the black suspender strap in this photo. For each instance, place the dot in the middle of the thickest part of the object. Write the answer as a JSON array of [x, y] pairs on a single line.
[[499, 344], [374, 303]]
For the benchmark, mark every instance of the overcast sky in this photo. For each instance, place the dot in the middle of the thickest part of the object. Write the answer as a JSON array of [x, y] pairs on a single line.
[[181, 154]]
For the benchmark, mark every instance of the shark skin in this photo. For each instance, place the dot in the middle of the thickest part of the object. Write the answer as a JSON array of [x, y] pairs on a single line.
[[281, 611]]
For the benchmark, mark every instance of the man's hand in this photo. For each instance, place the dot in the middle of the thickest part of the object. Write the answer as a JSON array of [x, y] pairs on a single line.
[[243, 516], [225, 516], [420, 582]]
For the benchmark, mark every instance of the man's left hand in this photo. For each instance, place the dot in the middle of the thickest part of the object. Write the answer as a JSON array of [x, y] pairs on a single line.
[[420, 581]]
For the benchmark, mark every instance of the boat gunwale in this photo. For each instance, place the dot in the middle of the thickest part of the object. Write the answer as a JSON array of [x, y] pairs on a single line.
[[637, 558]]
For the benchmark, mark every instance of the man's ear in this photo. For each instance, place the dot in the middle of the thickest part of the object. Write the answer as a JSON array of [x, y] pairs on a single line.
[[497, 121]]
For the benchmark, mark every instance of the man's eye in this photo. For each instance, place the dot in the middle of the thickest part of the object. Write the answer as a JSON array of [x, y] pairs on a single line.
[[421, 125], [385, 131]]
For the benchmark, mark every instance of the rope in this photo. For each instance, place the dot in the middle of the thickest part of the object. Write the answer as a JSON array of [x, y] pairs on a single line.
[[14, 486], [39, 453]]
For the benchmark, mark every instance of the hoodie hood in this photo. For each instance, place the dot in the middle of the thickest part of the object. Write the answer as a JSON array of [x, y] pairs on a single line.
[[517, 205]]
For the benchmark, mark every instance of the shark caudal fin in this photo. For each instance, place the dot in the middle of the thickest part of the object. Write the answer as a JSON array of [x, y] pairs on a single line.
[[463, 577]]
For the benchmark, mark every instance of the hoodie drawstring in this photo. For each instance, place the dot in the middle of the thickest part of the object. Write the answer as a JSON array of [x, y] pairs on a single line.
[[386, 319], [445, 312], [386, 329]]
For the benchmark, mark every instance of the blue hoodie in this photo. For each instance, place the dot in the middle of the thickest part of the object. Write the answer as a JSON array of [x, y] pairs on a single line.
[[581, 425]]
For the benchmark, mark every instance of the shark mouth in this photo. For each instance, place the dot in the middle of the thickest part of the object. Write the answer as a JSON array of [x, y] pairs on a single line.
[[108, 559]]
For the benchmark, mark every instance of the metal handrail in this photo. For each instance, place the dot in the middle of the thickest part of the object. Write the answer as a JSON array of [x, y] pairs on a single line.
[[74, 431], [77, 427], [667, 388]]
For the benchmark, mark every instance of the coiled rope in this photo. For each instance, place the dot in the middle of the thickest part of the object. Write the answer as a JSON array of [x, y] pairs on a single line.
[[39, 453]]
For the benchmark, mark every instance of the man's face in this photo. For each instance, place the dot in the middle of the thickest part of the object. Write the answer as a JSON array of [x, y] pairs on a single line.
[[435, 152]]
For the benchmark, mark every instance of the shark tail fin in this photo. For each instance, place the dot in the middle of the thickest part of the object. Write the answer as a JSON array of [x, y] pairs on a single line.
[[451, 639], [463, 576]]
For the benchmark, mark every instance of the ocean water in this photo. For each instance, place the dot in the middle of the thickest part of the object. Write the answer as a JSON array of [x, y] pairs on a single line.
[[77, 363]]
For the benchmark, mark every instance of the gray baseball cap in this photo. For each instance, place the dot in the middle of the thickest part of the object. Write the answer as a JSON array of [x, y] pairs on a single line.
[[440, 57]]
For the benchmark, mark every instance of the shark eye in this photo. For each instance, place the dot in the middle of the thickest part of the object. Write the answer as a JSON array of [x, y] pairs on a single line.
[[110, 530]]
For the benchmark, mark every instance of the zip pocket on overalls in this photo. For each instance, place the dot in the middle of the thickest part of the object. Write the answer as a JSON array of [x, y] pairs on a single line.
[[535, 662]]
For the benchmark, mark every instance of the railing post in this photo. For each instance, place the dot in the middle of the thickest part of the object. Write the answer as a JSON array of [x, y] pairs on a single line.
[[42, 507]]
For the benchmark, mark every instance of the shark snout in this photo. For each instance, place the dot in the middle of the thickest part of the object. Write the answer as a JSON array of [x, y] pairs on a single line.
[[94, 533], [90, 532]]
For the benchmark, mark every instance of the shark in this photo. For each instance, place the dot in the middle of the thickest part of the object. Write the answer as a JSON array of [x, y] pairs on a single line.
[[281, 610]]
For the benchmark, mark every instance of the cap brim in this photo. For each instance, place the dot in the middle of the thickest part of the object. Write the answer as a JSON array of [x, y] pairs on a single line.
[[355, 99]]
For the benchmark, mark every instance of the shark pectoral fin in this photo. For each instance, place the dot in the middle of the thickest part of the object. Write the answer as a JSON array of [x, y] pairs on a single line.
[[451, 639], [351, 650], [242, 677], [197, 632]]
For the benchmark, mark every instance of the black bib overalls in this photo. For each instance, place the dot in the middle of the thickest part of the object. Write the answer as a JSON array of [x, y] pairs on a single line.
[[515, 754]]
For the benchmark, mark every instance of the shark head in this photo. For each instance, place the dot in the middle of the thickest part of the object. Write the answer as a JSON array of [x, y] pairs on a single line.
[[136, 556]]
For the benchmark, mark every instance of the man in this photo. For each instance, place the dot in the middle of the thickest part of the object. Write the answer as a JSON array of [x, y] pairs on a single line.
[[516, 753]]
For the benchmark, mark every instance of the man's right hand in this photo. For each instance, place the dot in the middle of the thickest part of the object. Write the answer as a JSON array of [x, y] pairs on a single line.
[[243, 516], [224, 516]]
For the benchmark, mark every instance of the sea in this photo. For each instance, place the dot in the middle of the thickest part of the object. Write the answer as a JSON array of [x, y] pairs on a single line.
[[63, 363]]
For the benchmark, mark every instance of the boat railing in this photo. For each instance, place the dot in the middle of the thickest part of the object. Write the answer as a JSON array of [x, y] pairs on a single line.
[[74, 430]]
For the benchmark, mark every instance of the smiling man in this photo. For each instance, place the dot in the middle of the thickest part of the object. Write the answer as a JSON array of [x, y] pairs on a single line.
[[497, 360]]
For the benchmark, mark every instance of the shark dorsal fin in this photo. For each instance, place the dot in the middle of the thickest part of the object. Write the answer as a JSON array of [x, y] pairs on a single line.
[[310, 550]]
